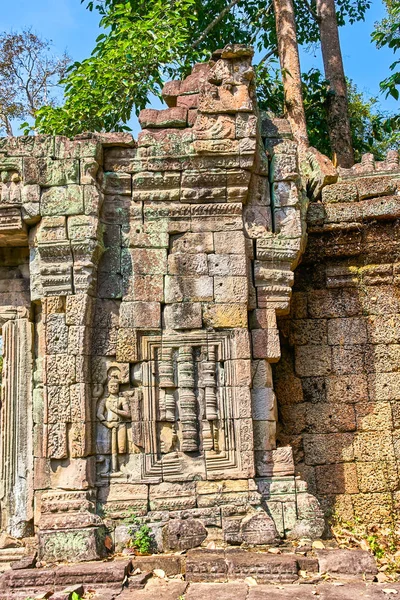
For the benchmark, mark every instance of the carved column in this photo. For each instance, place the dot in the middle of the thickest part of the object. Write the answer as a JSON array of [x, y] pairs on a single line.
[[210, 384], [16, 425], [209, 391], [187, 400], [167, 384]]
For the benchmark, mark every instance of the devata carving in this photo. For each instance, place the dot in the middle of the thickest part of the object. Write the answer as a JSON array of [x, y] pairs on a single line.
[[119, 427]]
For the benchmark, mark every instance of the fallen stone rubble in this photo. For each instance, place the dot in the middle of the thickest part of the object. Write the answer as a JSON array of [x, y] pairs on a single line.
[[205, 573]]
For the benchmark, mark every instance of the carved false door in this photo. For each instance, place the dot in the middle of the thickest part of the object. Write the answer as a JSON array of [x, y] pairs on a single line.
[[192, 420]]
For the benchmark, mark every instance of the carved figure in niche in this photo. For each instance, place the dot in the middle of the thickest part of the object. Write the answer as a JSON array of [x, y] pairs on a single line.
[[10, 187], [113, 412]]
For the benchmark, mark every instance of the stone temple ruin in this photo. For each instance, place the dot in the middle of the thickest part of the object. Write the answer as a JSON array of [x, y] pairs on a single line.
[[140, 288]]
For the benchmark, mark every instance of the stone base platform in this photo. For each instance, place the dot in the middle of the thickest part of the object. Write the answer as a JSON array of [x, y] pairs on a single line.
[[225, 574]]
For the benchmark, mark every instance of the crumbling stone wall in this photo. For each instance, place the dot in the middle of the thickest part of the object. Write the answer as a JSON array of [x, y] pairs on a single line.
[[138, 355], [141, 284], [338, 381]]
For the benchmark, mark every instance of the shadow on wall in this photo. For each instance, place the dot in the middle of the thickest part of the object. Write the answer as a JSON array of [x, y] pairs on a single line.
[[338, 382]]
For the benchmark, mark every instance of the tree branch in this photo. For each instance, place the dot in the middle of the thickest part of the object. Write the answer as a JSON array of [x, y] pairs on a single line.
[[271, 52], [311, 10], [215, 22]]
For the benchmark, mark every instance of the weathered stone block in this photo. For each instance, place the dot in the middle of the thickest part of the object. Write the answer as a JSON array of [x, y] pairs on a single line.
[[264, 406], [223, 316], [373, 446], [308, 331], [143, 261], [184, 534], [265, 344], [379, 476], [150, 118], [329, 304], [189, 289], [140, 314], [259, 529], [348, 359], [340, 192], [229, 242], [79, 310], [143, 287], [47, 172], [231, 289], [373, 416], [330, 418], [183, 316], [313, 361], [328, 448], [347, 331], [56, 334], [109, 285], [346, 388], [347, 562], [284, 167], [126, 349], [117, 183], [264, 435], [78, 544], [377, 507], [383, 386], [192, 243], [82, 227], [227, 265], [261, 374], [59, 368], [261, 566], [67, 200], [206, 565], [337, 479], [187, 264]]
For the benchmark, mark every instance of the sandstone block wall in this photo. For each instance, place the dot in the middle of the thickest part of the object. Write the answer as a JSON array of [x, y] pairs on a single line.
[[140, 284], [338, 381]]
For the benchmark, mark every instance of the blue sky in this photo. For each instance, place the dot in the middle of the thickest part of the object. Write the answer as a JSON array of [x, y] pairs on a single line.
[[70, 26]]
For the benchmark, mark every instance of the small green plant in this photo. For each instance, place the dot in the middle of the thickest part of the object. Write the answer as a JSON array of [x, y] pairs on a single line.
[[375, 546], [142, 538], [181, 598], [76, 596]]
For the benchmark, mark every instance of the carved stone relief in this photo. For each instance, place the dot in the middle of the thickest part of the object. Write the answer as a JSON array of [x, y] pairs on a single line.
[[183, 419]]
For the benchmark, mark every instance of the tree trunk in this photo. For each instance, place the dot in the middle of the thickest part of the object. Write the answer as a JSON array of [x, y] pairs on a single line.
[[337, 106], [290, 66]]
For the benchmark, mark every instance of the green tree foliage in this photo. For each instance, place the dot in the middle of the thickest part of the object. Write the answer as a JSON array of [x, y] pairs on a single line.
[[142, 41], [387, 33], [372, 130], [146, 41]]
